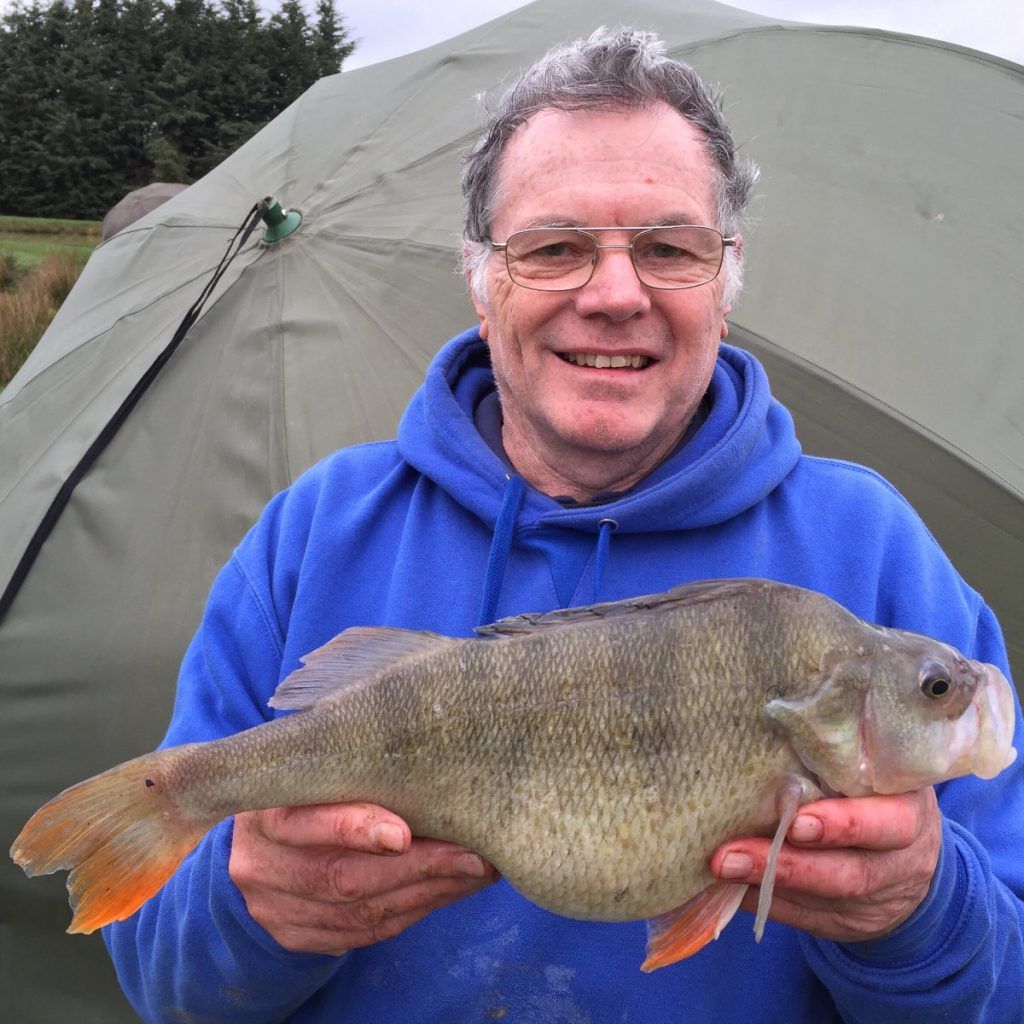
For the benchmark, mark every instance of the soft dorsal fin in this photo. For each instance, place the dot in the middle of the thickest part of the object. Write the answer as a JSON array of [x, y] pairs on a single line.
[[684, 594], [358, 655]]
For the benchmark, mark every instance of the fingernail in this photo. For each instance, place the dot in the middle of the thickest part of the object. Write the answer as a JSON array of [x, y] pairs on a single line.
[[736, 865], [470, 864], [806, 829], [388, 836]]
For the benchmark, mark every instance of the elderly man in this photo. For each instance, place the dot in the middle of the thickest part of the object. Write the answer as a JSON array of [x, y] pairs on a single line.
[[592, 439]]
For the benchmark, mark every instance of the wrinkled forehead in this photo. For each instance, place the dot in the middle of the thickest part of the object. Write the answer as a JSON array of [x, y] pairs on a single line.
[[641, 166]]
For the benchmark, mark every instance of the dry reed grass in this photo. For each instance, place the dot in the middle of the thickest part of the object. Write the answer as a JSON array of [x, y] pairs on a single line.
[[29, 304]]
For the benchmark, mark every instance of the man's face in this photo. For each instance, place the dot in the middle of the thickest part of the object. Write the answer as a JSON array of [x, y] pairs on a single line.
[[601, 168]]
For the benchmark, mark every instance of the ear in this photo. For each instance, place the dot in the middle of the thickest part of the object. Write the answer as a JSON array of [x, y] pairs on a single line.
[[478, 302], [734, 253], [481, 312]]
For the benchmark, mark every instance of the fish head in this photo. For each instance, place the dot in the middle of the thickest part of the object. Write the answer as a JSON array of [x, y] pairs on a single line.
[[898, 713], [931, 714]]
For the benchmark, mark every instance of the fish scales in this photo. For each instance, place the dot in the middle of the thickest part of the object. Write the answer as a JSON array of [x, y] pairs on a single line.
[[595, 756], [578, 760]]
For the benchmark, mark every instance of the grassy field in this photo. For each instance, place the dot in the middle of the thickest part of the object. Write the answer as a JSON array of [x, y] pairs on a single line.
[[29, 239], [40, 260]]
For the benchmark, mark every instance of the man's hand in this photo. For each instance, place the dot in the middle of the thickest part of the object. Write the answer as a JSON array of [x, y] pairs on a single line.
[[330, 878], [852, 869]]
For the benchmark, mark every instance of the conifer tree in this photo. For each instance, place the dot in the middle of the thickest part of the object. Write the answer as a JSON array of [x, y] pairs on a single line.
[[98, 97]]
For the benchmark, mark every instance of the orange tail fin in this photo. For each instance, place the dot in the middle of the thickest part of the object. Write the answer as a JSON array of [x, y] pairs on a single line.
[[120, 833]]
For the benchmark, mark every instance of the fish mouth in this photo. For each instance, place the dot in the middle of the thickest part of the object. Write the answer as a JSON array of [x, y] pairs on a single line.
[[605, 361], [992, 750], [981, 740]]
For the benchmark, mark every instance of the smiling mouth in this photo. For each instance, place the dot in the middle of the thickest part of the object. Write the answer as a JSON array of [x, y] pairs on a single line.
[[602, 362]]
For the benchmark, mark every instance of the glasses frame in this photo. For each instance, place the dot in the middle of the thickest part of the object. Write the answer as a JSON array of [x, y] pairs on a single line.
[[727, 242]]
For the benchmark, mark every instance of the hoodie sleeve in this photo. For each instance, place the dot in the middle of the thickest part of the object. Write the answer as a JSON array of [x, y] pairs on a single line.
[[960, 956], [192, 952]]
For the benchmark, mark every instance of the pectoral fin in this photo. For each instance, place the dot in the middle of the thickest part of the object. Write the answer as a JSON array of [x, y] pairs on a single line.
[[682, 932]]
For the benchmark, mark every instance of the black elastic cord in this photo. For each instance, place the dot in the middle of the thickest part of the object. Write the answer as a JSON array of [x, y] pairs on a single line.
[[93, 452]]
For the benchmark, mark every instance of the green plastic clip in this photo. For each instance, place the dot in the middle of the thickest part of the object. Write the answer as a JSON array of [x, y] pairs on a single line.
[[280, 222]]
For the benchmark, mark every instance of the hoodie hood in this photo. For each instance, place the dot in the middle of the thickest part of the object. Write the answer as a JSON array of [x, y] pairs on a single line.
[[744, 448]]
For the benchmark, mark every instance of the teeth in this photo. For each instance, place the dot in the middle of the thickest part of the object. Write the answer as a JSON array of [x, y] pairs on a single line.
[[601, 362]]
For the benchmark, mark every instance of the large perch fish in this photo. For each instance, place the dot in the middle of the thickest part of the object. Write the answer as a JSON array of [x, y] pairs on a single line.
[[596, 756]]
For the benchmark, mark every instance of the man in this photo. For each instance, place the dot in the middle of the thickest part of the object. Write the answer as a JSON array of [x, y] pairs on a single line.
[[623, 451]]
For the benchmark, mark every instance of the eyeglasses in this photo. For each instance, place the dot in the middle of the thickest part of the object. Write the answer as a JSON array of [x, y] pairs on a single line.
[[560, 259]]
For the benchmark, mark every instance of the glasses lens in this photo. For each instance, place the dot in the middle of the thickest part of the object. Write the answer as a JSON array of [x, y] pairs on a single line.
[[550, 259], [677, 257]]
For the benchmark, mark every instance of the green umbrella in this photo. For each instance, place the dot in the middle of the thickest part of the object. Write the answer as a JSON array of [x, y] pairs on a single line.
[[884, 293]]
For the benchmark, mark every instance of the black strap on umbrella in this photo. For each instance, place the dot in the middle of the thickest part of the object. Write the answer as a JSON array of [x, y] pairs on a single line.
[[93, 452]]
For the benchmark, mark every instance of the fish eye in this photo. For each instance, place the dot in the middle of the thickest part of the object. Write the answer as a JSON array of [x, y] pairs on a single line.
[[935, 682]]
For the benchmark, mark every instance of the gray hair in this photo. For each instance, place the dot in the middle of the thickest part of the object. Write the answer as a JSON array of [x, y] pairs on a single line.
[[612, 69]]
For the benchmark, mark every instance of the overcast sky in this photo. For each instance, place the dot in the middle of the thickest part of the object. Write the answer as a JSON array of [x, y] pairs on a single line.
[[388, 28]]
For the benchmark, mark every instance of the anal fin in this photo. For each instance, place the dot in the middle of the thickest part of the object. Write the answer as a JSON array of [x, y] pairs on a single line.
[[682, 932]]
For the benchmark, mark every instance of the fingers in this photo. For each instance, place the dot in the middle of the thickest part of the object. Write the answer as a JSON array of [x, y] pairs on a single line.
[[363, 827], [316, 881], [868, 869], [831, 874], [368, 914], [343, 877], [851, 832], [377, 923], [865, 823], [338, 874]]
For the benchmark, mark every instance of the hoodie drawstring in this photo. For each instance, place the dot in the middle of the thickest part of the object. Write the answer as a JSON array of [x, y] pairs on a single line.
[[604, 536], [500, 544]]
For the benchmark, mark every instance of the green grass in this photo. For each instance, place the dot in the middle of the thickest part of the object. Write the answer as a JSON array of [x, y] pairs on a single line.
[[50, 226], [28, 239]]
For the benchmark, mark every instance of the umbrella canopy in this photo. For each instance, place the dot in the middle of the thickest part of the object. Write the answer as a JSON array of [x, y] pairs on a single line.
[[884, 294], [136, 205]]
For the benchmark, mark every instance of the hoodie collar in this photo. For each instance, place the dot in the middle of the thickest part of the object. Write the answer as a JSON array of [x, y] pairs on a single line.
[[740, 453]]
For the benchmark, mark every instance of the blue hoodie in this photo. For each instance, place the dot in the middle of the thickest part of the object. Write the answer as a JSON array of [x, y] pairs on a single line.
[[433, 532]]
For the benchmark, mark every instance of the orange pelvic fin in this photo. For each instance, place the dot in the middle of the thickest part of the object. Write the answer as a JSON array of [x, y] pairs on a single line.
[[121, 835], [682, 932]]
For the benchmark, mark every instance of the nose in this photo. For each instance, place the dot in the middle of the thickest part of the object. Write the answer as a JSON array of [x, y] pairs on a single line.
[[614, 290]]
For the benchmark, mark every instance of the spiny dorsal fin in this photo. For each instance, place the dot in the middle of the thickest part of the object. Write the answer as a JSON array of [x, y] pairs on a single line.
[[684, 594], [358, 655]]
